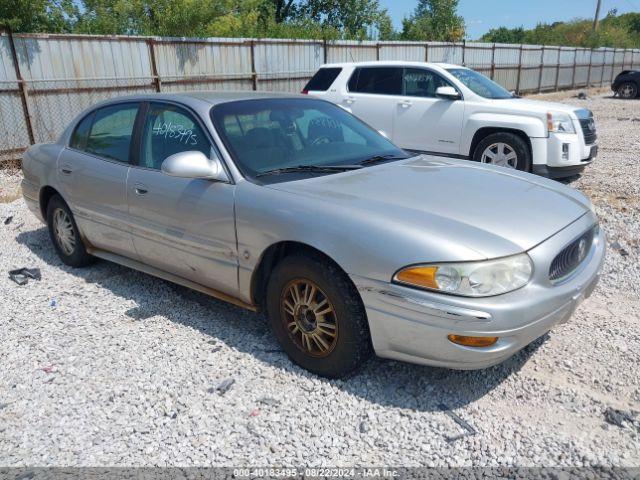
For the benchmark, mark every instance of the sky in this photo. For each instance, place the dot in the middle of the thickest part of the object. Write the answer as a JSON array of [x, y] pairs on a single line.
[[482, 15]]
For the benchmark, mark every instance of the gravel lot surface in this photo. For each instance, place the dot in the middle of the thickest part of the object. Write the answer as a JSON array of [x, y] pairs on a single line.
[[107, 366]]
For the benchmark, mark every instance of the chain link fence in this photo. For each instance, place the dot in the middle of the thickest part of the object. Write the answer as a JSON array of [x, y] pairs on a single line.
[[46, 80]]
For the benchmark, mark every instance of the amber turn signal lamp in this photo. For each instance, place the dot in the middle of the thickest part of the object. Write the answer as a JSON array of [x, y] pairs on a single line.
[[472, 341], [419, 276]]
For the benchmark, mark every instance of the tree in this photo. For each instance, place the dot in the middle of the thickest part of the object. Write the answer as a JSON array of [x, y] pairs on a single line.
[[352, 18], [56, 16], [434, 20], [504, 35]]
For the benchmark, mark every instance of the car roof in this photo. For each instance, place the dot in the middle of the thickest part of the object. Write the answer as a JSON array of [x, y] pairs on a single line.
[[393, 63], [210, 97]]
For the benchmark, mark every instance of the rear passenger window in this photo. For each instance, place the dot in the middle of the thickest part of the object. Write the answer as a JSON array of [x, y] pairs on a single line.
[[81, 133], [111, 131], [381, 80], [322, 80], [168, 130]]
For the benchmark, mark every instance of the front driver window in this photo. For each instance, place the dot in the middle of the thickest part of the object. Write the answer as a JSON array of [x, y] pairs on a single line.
[[167, 130], [422, 83]]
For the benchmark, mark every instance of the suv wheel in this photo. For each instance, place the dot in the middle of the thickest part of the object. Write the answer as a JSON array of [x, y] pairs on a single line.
[[505, 150], [628, 90], [317, 316], [64, 234]]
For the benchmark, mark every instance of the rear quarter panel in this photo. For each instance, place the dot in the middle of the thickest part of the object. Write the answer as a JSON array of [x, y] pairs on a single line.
[[39, 168]]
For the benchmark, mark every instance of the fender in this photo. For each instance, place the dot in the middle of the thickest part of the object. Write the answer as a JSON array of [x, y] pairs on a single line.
[[531, 126]]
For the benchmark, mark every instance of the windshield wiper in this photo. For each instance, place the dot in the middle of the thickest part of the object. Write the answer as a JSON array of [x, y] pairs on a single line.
[[310, 168], [381, 158]]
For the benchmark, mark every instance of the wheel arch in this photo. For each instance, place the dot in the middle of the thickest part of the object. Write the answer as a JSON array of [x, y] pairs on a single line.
[[484, 132], [46, 193], [272, 255]]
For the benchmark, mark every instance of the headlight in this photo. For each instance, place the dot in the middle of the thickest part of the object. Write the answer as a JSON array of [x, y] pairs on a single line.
[[470, 279], [560, 123]]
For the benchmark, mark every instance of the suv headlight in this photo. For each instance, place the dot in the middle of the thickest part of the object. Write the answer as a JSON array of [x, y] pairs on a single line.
[[559, 123], [470, 279]]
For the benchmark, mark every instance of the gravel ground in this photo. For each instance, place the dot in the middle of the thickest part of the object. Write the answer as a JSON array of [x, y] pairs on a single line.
[[105, 366]]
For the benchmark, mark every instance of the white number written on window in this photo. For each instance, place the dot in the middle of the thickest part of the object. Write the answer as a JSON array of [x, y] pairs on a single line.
[[176, 132]]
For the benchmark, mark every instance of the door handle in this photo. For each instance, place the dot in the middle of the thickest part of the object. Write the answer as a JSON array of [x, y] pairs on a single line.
[[406, 104], [66, 169], [140, 189]]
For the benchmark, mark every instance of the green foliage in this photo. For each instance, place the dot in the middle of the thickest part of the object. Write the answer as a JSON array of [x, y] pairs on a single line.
[[54, 16], [434, 20], [620, 31]]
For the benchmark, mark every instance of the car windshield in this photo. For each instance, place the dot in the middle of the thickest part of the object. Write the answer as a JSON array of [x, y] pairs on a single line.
[[479, 84], [290, 136]]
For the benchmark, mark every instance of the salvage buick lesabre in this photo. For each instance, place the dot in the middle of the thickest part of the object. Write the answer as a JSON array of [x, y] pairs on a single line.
[[294, 206]]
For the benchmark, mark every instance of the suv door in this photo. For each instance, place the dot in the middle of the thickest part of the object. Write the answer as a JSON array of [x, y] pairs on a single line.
[[423, 121], [93, 174], [372, 94], [182, 226]]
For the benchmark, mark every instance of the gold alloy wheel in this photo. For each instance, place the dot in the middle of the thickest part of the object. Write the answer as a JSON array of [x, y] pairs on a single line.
[[309, 317]]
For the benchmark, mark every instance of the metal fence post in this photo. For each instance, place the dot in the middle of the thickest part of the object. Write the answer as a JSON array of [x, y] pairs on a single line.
[[493, 61], [519, 70], [325, 51], [464, 48], [613, 65], [254, 75], [541, 70], [590, 65], [24, 96], [575, 63], [378, 51], [558, 68], [154, 67], [426, 52], [604, 61]]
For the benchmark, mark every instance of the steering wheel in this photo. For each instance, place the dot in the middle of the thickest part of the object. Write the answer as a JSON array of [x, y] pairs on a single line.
[[321, 140]]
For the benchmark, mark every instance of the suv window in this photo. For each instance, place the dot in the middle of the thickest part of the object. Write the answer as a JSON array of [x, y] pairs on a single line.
[[381, 80], [322, 80], [169, 129], [111, 131], [419, 82]]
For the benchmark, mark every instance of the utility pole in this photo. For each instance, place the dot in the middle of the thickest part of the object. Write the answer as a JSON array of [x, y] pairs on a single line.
[[596, 19]]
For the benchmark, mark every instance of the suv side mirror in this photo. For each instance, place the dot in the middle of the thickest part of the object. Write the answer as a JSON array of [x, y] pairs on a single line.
[[194, 164], [448, 93]]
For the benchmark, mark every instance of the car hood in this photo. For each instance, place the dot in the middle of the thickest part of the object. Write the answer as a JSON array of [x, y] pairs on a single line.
[[492, 210], [536, 106]]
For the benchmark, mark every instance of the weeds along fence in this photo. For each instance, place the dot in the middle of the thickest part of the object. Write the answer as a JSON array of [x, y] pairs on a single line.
[[45, 80]]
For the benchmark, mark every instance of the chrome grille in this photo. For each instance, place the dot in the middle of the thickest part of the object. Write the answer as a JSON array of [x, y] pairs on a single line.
[[588, 130], [571, 256]]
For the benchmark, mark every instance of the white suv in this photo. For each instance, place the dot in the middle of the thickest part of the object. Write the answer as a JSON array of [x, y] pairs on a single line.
[[455, 111]]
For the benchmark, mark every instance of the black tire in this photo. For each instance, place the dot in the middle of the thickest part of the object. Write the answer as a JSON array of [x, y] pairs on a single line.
[[515, 142], [77, 256], [628, 90], [352, 344]]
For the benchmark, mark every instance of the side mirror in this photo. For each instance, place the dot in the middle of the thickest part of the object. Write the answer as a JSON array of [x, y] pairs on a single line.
[[448, 93], [194, 164]]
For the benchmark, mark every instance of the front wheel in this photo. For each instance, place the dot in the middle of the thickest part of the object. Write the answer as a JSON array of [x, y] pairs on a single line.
[[317, 316], [65, 235], [628, 90], [504, 149]]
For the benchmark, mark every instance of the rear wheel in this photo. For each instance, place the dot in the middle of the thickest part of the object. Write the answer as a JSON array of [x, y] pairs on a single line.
[[65, 235], [628, 90], [504, 149], [317, 316]]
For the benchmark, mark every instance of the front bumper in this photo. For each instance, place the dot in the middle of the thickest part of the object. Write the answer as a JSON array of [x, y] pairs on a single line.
[[412, 325]]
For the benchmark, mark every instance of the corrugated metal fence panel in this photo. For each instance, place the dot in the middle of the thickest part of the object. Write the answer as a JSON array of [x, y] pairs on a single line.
[[479, 56], [445, 52], [66, 74], [13, 130], [203, 64], [410, 52], [286, 65], [346, 51]]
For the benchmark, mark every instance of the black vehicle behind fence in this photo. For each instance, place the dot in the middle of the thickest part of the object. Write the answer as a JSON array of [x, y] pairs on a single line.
[[627, 84]]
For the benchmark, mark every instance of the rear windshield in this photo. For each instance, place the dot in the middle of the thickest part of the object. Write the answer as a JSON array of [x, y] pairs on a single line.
[[323, 79]]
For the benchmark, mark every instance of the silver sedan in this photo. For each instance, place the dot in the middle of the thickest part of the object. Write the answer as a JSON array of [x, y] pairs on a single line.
[[293, 206]]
